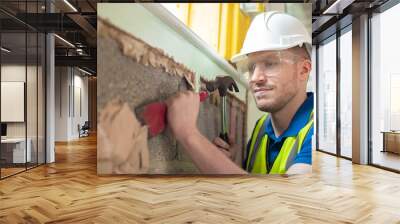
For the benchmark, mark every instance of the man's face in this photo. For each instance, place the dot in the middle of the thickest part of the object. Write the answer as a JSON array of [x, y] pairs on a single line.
[[273, 79]]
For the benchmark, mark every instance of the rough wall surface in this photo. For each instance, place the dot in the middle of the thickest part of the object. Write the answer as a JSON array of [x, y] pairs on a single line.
[[129, 77], [209, 121]]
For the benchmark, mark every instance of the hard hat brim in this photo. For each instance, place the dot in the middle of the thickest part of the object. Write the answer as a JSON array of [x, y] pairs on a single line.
[[238, 57], [242, 56]]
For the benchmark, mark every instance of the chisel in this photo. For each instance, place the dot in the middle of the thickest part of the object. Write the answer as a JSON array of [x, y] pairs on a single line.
[[154, 115]]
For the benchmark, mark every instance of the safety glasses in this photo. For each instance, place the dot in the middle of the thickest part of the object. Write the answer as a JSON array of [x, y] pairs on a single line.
[[269, 64]]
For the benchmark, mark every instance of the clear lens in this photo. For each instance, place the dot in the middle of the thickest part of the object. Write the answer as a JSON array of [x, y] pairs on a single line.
[[269, 64]]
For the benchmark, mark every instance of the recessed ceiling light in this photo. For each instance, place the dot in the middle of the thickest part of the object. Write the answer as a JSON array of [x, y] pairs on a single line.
[[71, 6], [5, 50], [338, 6], [64, 40], [84, 71]]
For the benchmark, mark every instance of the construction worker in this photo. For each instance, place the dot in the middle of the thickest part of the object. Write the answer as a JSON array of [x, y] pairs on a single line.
[[276, 59]]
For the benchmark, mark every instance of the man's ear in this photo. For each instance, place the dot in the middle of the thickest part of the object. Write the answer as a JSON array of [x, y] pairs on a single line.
[[305, 69]]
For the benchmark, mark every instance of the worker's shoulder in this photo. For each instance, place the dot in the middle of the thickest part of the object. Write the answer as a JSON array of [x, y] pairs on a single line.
[[258, 121]]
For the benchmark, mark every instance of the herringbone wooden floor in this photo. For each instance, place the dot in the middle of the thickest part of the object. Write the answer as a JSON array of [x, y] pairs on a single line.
[[69, 191]]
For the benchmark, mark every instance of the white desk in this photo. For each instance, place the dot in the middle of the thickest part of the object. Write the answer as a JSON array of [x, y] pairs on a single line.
[[18, 149]]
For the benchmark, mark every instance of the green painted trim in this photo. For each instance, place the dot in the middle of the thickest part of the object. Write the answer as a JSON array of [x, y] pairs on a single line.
[[140, 22]]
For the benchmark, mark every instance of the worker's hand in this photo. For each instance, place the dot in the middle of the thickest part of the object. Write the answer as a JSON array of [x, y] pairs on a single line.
[[228, 148], [183, 110]]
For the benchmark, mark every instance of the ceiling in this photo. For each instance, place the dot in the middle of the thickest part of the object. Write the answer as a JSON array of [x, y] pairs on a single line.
[[328, 16], [76, 20]]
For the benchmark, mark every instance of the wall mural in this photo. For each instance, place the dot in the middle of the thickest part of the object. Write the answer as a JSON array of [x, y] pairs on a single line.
[[132, 74]]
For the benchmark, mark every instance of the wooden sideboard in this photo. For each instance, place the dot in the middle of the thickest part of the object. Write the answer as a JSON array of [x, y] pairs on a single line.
[[391, 141]]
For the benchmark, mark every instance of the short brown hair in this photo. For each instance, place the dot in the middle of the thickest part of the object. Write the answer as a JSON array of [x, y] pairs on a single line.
[[301, 51]]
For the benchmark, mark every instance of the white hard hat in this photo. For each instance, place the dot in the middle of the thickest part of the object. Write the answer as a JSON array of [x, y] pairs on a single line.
[[270, 31]]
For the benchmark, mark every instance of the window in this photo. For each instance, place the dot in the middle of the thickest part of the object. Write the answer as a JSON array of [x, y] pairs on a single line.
[[385, 89], [346, 95], [327, 96]]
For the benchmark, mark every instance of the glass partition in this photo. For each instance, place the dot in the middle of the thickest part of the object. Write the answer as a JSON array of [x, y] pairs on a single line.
[[31, 100], [14, 153], [22, 88]]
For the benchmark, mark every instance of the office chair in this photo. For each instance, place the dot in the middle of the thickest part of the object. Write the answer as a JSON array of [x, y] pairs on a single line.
[[84, 130]]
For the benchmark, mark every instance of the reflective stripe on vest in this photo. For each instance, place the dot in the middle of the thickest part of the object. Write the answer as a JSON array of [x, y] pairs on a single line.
[[257, 160]]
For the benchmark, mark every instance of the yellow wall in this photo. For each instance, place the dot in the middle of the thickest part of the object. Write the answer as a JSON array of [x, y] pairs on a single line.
[[222, 25]]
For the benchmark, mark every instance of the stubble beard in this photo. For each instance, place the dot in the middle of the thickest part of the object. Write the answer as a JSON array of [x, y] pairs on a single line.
[[277, 104]]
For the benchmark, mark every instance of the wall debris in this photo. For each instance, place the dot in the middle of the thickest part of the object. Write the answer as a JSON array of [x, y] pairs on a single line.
[[122, 143], [143, 53]]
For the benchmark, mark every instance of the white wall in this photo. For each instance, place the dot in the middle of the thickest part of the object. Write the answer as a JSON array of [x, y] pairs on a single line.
[[80, 84], [12, 100], [14, 73], [61, 103], [33, 126], [70, 83], [11, 73]]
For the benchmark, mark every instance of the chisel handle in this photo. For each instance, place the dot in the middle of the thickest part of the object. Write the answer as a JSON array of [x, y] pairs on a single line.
[[203, 95]]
